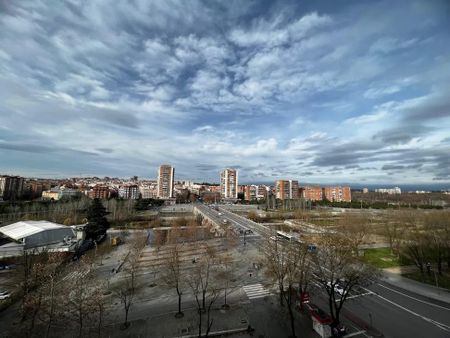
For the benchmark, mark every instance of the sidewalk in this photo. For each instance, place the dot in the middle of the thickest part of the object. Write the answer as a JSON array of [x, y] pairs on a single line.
[[166, 325], [425, 290]]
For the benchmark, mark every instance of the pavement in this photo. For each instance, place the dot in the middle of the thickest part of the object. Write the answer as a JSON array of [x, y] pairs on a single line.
[[426, 290]]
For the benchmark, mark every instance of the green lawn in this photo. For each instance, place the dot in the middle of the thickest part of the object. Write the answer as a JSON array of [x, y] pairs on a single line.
[[442, 281], [382, 258]]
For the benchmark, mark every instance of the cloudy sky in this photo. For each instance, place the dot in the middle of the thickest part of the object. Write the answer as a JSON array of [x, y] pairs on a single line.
[[319, 91]]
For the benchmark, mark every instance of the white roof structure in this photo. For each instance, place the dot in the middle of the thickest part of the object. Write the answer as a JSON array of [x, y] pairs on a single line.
[[23, 229]]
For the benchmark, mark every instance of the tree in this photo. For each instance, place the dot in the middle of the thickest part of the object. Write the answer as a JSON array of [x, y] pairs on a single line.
[[336, 264], [126, 291], [172, 273], [414, 247], [84, 303], [97, 222], [287, 263], [199, 280]]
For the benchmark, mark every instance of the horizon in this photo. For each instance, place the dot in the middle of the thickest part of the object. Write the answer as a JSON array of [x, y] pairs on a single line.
[[408, 186], [353, 92]]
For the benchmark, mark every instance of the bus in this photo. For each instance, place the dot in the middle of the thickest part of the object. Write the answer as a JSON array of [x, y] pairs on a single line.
[[286, 236]]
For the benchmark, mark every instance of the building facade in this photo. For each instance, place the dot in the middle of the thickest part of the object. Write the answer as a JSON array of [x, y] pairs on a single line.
[[129, 191], [166, 176], [11, 187], [337, 194], [286, 189], [101, 192], [229, 183], [58, 193], [312, 193]]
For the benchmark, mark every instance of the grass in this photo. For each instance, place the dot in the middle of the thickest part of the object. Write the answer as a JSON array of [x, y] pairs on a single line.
[[443, 281], [382, 258]]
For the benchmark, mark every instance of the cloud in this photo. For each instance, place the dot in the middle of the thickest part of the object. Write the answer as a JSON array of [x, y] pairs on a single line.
[[274, 88]]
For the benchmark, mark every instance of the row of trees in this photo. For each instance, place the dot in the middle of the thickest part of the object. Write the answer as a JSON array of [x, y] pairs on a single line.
[[207, 276], [71, 211], [294, 267], [57, 296], [425, 240]]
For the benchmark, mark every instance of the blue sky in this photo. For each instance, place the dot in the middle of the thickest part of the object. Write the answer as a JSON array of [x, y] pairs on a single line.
[[319, 91]]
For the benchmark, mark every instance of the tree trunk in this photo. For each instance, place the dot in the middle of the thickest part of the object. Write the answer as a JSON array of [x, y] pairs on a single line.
[[291, 313], [200, 313], [203, 300], [50, 319], [179, 301], [126, 316], [281, 294]]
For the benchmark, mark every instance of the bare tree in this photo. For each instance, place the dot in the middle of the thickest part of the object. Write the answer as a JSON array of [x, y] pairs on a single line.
[[414, 247], [127, 289], [84, 298], [172, 273], [335, 264], [276, 260], [199, 280], [287, 263]]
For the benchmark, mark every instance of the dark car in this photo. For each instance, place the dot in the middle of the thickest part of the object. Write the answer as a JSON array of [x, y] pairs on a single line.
[[85, 246], [338, 330]]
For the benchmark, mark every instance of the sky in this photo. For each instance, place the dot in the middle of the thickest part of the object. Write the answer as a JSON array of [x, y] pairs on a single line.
[[318, 91]]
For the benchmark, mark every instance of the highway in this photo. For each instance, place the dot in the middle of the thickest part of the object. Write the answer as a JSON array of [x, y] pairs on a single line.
[[392, 310]]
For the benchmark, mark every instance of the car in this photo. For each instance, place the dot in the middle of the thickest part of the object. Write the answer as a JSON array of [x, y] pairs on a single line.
[[338, 330], [4, 295], [337, 288], [220, 214]]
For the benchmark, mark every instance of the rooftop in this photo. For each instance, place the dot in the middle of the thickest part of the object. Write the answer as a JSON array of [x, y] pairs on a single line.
[[24, 229]]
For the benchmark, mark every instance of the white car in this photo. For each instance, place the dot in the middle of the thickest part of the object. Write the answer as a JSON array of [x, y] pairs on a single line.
[[4, 295], [220, 214], [337, 288]]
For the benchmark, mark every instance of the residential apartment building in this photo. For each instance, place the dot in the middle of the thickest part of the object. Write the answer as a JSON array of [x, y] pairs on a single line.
[[166, 176], [312, 193], [58, 193], [148, 190], [101, 192], [229, 183], [263, 191], [250, 192], [255, 192], [286, 189], [337, 194], [129, 191], [11, 187]]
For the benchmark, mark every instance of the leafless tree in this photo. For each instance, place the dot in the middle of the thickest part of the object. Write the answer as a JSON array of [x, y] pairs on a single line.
[[126, 291], [173, 274], [287, 263], [336, 264], [199, 281]]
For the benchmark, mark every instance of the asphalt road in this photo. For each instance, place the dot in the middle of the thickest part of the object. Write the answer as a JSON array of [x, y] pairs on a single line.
[[393, 311]]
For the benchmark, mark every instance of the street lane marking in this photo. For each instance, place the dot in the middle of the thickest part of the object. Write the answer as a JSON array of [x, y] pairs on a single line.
[[432, 321], [419, 300], [356, 296], [356, 334], [254, 291]]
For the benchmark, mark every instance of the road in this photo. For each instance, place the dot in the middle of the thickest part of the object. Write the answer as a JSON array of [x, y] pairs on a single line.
[[393, 311]]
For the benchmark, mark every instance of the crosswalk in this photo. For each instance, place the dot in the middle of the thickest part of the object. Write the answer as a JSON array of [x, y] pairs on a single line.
[[254, 291]]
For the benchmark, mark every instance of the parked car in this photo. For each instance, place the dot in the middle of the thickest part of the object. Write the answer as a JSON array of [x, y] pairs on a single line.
[[85, 246], [4, 295]]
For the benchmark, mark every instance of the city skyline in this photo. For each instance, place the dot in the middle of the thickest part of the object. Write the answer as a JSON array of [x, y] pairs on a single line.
[[354, 92]]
